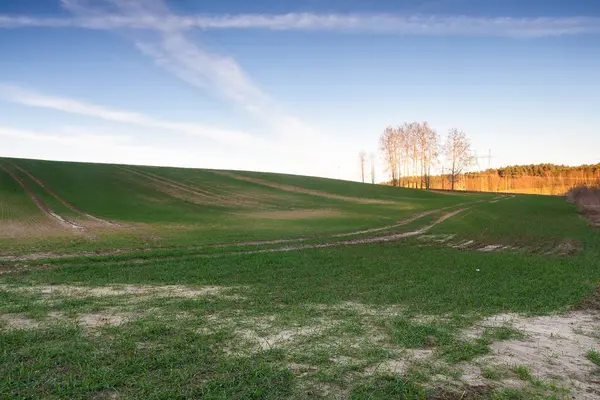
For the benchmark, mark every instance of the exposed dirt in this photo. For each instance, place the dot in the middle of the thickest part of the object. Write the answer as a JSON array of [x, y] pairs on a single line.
[[566, 247], [38, 256], [92, 320], [374, 239], [591, 302], [297, 189], [18, 321], [106, 318], [399, 366], [174, 183], [279, 339], [60, 199], [39, 202], [554, 349], [193, 194], [396, 225], [106, 395], [362, 240], [29, 230], [73, 291], [466, 392]]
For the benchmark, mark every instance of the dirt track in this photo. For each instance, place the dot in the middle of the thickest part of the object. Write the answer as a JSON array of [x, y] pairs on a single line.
[[39, 202], [296, 189], [60, 199]]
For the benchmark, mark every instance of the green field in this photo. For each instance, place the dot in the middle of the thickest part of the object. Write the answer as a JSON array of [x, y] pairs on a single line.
[[145, 282]]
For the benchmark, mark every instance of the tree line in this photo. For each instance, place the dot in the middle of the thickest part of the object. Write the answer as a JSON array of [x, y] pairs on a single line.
[[544, 170], [413, 150]]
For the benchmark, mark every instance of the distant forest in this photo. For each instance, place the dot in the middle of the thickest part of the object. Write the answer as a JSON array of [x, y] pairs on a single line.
[[413, 150], [545, 170], [549, 179]]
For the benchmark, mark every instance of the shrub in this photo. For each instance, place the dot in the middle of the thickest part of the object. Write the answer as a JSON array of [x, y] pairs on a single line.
[[586, 198]]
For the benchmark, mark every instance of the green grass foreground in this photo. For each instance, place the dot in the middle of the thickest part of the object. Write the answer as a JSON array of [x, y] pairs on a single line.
[[210, 284]]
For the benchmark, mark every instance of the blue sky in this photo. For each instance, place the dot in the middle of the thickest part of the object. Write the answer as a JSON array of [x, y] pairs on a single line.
[[298, 87]]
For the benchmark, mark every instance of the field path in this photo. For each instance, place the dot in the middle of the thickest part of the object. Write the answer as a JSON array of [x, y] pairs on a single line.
[[351, 242], [371, 239], [171, 182], [204, 194], [39, 202], [297, 189], [60, 199]]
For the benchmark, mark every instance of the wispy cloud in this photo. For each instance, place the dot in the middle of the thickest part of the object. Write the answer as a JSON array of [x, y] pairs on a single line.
[[34, 99], [426, 25], [98, 147], [171, 48]]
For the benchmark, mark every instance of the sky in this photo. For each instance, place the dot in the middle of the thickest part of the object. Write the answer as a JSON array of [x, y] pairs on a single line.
[[296, 87]]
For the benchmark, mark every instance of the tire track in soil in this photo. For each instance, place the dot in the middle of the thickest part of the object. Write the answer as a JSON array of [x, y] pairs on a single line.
[[297, 189], [352, 242], [60, 199], [228, 197], [39, 202], [29, 257], [366, 240], [174, 182], [211, 198]]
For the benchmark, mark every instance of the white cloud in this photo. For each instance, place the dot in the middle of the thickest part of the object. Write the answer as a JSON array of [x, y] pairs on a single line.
[[426, 25], [34, 99], [90, 147], [171, 48], [283, 154], [72, 144]]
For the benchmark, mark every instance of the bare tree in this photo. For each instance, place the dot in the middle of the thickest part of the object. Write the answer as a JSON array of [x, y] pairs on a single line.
[[413, 128], [458, 153], [372, 157], [362, 158], [406, 143], [388, 144], [431, 153]]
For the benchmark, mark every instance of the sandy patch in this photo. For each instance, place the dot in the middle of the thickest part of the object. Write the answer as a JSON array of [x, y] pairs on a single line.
[[93, 320], [399, 366], [27, 229], [18, 321], [363, 309], [280, 338], [107, 318], [145, 291], [296, 214], [554, 349]]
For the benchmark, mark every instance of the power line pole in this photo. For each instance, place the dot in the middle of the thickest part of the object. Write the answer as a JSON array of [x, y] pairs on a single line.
[[489, 158]]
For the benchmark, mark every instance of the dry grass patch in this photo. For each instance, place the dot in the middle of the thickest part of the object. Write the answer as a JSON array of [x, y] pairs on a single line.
[[73, 291], [587, 200]]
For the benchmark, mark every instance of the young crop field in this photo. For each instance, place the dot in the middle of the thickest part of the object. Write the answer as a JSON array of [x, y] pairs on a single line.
[[128, 282]]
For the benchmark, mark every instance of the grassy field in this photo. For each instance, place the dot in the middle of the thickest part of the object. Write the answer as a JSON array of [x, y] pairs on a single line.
[[143, 282]]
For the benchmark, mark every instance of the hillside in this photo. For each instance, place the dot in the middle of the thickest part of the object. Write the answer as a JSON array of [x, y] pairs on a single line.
[[143, 282], [100, 206]]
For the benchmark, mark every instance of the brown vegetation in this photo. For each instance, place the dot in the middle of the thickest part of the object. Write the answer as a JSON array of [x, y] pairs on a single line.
[[587, 200]]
